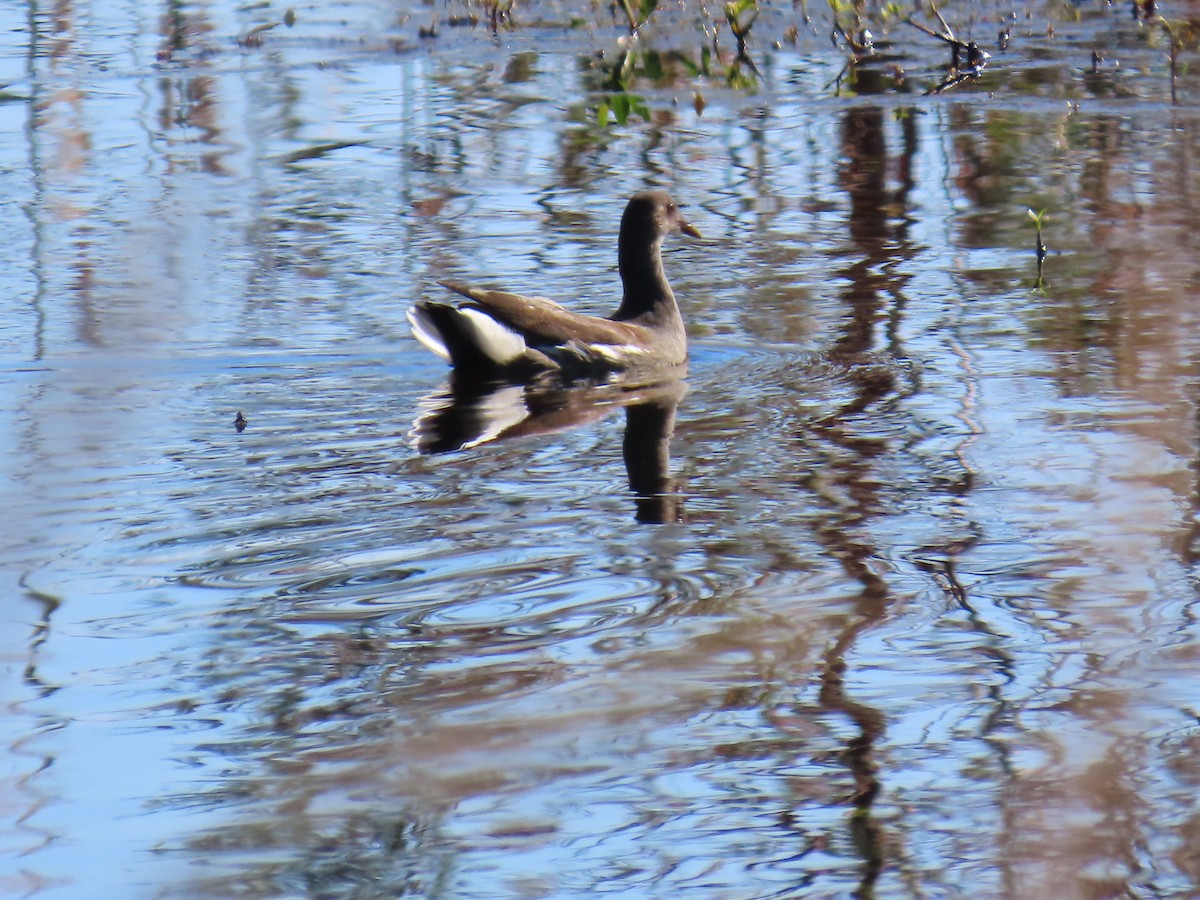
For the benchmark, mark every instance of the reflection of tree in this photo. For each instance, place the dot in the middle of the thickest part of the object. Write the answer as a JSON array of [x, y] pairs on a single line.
[[191, 101], [1117, 206], [871, 285], [26, 786]]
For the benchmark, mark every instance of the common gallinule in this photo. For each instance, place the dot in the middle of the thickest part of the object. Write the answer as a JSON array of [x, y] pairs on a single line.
[[501, 332]]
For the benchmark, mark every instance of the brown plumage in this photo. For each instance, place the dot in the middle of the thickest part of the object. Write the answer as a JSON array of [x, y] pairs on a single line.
[[502, 331]]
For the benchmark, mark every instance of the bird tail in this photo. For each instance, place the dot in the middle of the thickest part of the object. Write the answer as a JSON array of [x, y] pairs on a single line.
[[464, 336]]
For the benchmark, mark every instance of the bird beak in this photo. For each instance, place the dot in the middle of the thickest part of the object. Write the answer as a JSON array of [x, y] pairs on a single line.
[[688, 228]]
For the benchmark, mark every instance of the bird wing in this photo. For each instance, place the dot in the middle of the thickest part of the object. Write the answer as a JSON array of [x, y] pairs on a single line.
[[542, 321]]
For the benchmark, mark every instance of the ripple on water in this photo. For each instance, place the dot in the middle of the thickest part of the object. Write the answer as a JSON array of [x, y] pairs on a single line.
[[928, 621]]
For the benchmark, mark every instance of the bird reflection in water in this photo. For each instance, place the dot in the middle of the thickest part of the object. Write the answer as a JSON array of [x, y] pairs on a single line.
[[468, 412]]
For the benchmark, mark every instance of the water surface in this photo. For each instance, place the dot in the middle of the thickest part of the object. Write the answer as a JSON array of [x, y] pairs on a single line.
[[918, 617]]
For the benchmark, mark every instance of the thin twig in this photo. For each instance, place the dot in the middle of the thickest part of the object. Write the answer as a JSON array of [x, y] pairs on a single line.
[[945, 28]]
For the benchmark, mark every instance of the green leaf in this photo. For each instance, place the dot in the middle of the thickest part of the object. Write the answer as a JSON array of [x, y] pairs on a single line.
[[740, 79], [652, 65], [620, 107], [686, 61]]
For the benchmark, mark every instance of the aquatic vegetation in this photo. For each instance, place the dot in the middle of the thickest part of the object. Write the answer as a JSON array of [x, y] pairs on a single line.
[[741, 16], [619, 107], [639, 12], [738, 70], [620, 102], [1181, 33], [1038, 219], [698, 46], [620, 77], [967, 58]]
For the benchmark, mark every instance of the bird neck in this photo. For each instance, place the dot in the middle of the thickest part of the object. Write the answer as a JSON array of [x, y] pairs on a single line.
[[647, 294]]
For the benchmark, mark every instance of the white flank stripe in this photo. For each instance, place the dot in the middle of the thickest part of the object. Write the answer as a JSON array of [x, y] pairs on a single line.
[[499, 344], [616, 352]]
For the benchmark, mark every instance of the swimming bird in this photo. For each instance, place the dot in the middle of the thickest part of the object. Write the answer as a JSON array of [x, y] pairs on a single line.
[[501, 332]]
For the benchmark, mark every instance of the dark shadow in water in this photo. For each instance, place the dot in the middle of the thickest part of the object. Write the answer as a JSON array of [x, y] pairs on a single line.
[[468, 413]]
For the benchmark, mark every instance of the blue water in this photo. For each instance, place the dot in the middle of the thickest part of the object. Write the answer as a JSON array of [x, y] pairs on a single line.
[[914, 613]]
